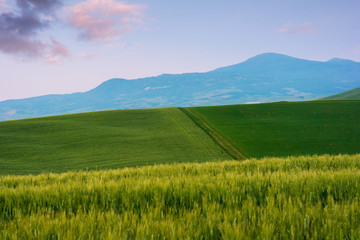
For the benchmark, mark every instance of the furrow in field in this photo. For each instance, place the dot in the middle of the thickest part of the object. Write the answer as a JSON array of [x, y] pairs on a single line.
[[213, 134]]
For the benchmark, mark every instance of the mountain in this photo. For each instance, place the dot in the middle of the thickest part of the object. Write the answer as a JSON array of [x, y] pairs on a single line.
[[351, 94], [263, 78]]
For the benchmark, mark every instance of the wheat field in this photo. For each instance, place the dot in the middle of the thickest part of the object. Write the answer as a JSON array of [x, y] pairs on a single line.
[[306, 197]]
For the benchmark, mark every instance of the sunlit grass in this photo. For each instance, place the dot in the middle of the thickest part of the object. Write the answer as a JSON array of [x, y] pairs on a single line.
[[271, 198], [287, 128], [103, 140]]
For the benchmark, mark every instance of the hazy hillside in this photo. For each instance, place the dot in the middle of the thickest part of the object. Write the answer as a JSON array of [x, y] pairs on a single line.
[[263, 78], [352, 94]]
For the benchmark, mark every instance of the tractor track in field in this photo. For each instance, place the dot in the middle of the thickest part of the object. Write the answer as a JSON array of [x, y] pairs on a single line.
[[216, 137]]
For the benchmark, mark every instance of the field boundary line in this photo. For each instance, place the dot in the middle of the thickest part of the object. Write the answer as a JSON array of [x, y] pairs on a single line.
[[216, 137]]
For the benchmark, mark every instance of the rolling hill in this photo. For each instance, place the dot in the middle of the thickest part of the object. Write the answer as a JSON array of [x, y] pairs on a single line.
[[129, 138], [284, 128], [103, 140], [351, 94], [266, 77]]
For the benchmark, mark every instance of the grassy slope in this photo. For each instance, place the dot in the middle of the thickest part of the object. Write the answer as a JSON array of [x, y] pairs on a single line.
[[351, 94], [103, 140], [282, 129], [218, 139], [294, 198]]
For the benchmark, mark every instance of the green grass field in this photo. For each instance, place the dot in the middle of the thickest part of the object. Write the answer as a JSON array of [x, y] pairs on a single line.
[[103, 140], [273, 198], [297, 197], [115, 139], [351, 94], [284, 128]]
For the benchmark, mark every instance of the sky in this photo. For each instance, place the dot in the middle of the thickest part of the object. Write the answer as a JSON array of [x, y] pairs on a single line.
[[66, 46]]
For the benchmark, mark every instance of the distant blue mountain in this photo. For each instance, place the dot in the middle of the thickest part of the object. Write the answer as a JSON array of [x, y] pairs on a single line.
[[264, 78]]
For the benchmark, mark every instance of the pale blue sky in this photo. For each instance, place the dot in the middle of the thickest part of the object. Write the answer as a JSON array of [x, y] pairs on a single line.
[[65, 51]]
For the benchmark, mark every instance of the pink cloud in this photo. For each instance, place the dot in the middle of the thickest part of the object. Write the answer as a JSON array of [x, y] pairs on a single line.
[[3, 4], [89, 55], [54, 52], [58, 49], [296, 29], [100, 20]]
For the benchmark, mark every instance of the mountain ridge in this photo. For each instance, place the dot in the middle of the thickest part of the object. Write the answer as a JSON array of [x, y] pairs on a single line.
[[263, 78]]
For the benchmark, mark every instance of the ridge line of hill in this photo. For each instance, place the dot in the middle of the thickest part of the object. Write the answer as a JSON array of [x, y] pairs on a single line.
[[352, 94], [220, 141], [267, 77]]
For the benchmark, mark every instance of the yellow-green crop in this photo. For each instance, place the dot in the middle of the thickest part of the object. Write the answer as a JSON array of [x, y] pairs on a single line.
[[307, 197]]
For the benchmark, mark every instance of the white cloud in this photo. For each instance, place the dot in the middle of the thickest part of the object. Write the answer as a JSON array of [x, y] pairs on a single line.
[[252, 102], [295, 93], [202, 95], [155, 88], [343, 88], [10, 112]]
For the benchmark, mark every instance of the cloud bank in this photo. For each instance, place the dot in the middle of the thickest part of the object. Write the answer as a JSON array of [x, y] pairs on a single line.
[[102, 20], [22, 26], [19, 32]]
